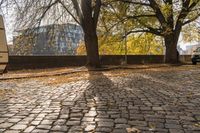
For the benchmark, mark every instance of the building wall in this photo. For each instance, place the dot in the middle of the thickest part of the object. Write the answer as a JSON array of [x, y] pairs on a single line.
[[51, 39], [191, 48]]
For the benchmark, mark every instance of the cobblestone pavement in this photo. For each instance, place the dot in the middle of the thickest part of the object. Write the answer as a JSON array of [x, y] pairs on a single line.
[[150, 101]]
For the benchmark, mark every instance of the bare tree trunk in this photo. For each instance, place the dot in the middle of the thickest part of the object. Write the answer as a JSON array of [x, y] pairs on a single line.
[[171, 55], [89, 21], [91, 42]]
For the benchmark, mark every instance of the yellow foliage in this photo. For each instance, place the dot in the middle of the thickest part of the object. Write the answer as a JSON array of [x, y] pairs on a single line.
[[81, 50], [146, 44]]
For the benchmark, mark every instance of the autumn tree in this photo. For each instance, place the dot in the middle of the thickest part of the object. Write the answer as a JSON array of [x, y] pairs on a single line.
[[166, 18], [84, 12], [145, 44], [191, 32], [88, 14]]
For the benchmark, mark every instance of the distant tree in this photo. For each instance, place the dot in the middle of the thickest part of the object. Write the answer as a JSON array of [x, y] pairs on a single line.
[[191, 32], [23, 45], [164, 18], [81, 50], [146, 44]]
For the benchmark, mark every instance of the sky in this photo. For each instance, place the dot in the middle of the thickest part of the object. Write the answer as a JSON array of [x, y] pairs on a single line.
[[9, 23], [9, 20]]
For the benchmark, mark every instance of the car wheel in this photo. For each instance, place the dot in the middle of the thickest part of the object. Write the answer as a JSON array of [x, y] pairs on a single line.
[[194, 62]]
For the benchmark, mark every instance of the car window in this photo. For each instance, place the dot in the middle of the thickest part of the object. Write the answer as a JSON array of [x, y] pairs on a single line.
[[198, 49]]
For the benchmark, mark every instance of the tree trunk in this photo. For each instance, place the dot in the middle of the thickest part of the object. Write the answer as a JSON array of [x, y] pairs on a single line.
[[171, 55], [91, 43], [88, 22]]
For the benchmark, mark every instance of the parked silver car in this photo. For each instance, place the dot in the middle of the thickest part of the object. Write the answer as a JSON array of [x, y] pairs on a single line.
[[196, 56]]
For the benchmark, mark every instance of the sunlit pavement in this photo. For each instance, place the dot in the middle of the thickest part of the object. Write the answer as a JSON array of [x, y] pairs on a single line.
[[143, 101]]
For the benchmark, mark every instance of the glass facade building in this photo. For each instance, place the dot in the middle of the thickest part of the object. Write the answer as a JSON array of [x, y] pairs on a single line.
[[57, 39]]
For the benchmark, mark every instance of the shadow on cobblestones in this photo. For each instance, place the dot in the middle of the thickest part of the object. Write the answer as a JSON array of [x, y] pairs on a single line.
[[108, 105], [164, 102]]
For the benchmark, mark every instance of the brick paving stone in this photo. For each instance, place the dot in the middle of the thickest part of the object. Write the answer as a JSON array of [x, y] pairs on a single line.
[[12, 131], [57, 132], [122, 126], [60, 128], [156, 124], [73, 123], [155, 120], [161, 130], [176, 131], [88, 119], [173, 126], [119, 131], [44, 127], [18, 127], [41, 115], [40, 131], [46, 122], [105, 124], [102, 116], [8, 115], [91, 114], [157, 108], [2, 130], [14, 120], [60, 122], [64, 116], [23, 122], [188, 118], [29, 129], [103, 129], [121, 120], [170, 121], [138, 117], [2, 120], [35, 123], [76, 129], [5, 125], [151, 101], [115, 116], [137, 123], [76, 115], [90, 128], [38, 119], [104, 119], [197, 117]]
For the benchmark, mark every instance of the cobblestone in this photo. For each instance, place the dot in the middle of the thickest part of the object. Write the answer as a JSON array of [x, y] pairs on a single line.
[[19, 127], [150, 101]]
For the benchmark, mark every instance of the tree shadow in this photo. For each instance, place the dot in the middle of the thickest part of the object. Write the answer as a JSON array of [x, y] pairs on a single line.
[[107, 103]]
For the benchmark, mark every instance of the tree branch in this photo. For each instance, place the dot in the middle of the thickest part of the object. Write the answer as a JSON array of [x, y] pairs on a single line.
[[186, 7], [157, 11], [191, 20], [139, 16], [46, 10], [78, 11], [138, 31], [134, 2], [97, 9], [70, 13]]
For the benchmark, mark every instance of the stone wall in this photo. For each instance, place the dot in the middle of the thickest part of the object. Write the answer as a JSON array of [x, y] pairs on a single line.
[[32, 62]]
